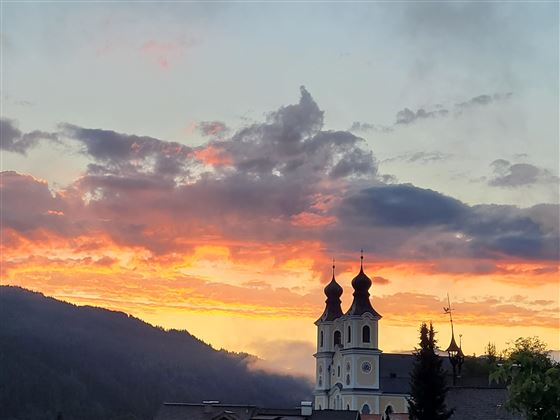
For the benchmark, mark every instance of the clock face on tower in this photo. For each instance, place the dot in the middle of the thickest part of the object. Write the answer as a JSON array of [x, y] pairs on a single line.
[[366, 367]]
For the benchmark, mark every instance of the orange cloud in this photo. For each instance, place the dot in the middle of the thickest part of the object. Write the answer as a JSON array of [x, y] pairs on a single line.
[[213, 156]]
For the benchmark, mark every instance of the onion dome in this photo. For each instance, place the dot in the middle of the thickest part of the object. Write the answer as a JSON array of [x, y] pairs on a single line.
[[361, 284], [333, 291]]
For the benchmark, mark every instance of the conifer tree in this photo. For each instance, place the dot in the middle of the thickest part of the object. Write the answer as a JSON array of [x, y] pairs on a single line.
[[427, 381]]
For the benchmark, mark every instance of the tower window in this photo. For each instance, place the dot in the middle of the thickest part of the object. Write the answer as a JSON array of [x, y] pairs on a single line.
[[338, 370], [366, 409], [349, 334], [366, 334], [337, 338], [321, 339], [347, 379]]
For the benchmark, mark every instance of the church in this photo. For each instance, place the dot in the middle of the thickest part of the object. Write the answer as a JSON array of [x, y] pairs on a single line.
[[354, 379], [352, 373]]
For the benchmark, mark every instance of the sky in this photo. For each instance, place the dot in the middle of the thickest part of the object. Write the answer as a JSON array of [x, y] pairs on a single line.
[[198, 165]]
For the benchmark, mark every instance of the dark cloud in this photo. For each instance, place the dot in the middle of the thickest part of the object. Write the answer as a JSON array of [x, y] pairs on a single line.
[[444, 226], [13, 140], [407, 116], [274, 170], [401, 205], [482, 100], [514, 175], [211, 128], [420, 157], [116, 148], [363, 127], [28, 206], [291, 144], [284, 179]]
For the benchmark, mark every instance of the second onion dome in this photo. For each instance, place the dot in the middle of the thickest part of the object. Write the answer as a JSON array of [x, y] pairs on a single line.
[[361, 284]]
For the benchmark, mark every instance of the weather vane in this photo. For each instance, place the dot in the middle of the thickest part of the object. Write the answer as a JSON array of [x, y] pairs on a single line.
[[448, 310], [456, 356]]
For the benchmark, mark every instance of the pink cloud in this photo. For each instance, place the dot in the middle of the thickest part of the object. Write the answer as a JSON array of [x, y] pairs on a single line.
[[164, 54]]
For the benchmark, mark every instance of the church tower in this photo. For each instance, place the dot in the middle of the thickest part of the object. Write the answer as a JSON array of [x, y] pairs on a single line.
[[347, 358]]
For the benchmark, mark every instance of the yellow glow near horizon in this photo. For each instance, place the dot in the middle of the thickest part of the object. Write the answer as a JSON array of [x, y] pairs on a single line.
[[243, 301]]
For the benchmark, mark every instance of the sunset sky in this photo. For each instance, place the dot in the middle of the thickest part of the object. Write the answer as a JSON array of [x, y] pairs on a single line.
[[199, 165]]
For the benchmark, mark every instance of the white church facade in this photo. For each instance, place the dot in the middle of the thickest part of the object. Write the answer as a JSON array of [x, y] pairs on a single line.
[[348, 358]]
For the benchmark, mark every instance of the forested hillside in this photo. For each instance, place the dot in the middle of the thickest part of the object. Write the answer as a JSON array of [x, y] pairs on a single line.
[[58, 360]]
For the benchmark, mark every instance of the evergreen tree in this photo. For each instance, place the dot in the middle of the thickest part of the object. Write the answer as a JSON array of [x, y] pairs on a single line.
[[427, 381]]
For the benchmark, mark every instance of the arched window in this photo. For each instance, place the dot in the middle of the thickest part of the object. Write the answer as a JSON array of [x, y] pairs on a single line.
[[338, 370], [321, 339], [348, 406], [366, 409], [365, 334], [337, 339], [349, 334], [348, 380], [388, 410]]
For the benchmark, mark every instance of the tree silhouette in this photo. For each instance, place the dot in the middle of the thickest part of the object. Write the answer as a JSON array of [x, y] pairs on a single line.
[[427, 381]]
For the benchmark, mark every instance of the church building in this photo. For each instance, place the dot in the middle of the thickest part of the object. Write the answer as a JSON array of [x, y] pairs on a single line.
[[349, 363]]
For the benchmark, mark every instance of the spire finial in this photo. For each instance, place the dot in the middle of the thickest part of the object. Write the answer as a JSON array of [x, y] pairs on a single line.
[[448, 310], [361, 259], [333, 267]]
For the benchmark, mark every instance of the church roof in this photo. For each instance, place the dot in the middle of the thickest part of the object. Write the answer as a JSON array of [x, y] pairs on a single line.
[[361, 303], [395, 368], [333, 291]]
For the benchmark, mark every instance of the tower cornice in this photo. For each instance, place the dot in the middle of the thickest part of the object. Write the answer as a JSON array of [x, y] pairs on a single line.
[[360, 350]]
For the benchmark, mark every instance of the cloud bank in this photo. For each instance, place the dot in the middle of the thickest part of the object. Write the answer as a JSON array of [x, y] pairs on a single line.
[[283, 179]]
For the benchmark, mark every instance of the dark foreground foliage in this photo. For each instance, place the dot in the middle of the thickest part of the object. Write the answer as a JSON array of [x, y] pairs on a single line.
[[58, 360], [532, 379], [427, 381]]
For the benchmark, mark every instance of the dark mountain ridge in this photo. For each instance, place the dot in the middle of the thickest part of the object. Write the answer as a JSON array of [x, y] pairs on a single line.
[[85, 362]]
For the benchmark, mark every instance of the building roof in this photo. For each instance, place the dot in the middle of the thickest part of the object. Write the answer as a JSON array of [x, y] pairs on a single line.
[[453, 347], [473, 398], [361, 303], [394, 374], [216, 411], [295, 413], [184, 411], [479, 404], [332, 311]]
